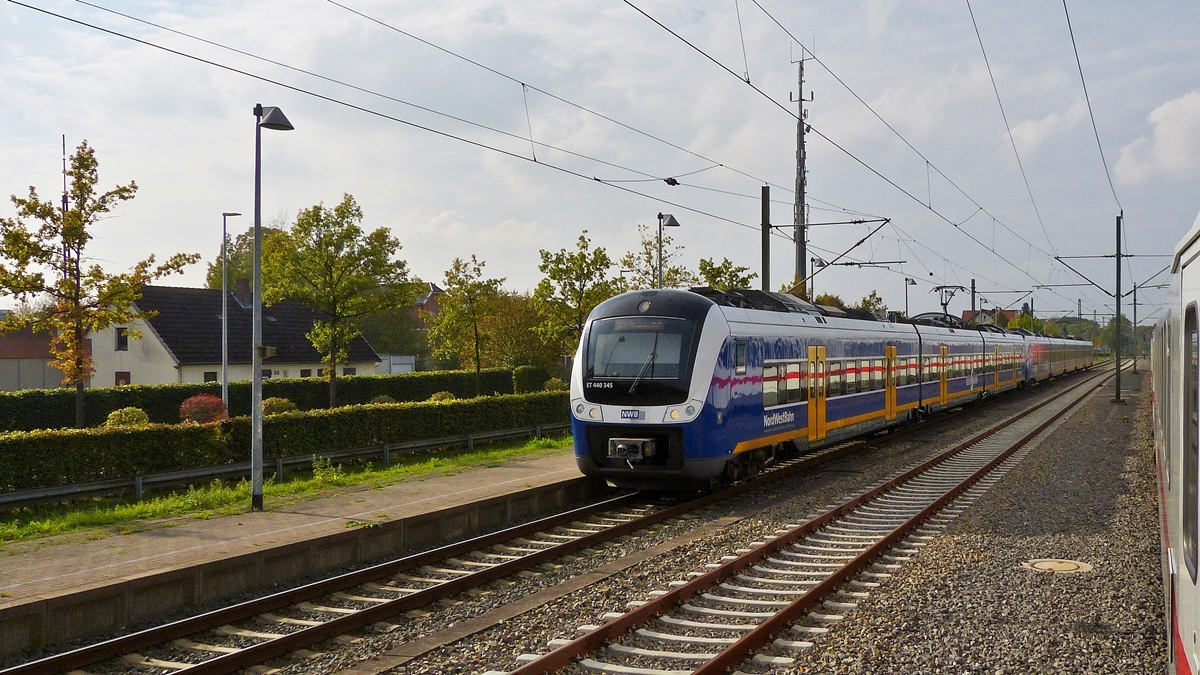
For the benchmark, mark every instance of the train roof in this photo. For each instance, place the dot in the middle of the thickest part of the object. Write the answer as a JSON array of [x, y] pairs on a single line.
[[1184, 244]]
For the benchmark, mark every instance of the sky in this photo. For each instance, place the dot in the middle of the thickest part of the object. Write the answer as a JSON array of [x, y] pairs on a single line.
[[905, 125]]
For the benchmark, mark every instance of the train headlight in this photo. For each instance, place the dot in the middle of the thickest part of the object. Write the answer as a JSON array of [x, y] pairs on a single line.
[[691, 410], [579, 408], [594, 413], [675, 413]]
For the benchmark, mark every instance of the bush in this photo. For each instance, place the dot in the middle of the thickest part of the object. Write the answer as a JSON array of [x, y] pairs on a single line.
[[127, 417], [555, 384], [276, 405], [55, 408], [527, 379], [42, 458], [383, 399], [443, 396], [202, 409]]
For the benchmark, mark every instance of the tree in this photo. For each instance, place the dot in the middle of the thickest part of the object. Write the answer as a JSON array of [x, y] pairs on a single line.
[[873, 304], [725, 276], [240, 252], [830, 300], [396, 330], [458, 327], [1124, 327], [644, 263], [514, 335], [575, 282], [327, 262], [46, 270]]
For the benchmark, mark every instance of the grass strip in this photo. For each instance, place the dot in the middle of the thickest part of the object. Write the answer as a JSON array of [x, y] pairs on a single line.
[[101, 517]]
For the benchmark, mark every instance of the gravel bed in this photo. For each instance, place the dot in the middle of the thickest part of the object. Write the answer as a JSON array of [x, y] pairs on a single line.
[[497, 648], [965, 604]]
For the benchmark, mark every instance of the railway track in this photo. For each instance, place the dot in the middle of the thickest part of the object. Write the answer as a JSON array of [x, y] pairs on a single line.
[[753, 608], [246, 635]]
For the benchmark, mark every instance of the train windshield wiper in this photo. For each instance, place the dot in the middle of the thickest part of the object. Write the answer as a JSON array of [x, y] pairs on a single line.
[[649, 364]]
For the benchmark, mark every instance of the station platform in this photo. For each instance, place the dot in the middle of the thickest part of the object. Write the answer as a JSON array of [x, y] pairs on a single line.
[[58, 589]]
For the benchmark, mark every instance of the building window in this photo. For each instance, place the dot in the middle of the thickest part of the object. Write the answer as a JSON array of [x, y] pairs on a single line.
[[320, 372], [123, 378], [306, 372], [266, 374], [122, 339], [349, 371], [210, 376]]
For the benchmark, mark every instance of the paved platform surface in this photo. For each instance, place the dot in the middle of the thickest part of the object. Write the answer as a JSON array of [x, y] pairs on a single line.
[[67, 563], [965, 604]]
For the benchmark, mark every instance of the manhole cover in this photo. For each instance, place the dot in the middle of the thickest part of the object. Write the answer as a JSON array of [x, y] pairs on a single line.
[[1057, 565]]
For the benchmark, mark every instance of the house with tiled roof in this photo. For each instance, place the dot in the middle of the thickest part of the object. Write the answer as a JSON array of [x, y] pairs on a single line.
[[181, 341]]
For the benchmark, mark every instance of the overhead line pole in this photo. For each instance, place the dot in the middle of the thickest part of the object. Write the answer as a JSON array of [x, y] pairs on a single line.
[[766, 237], [1117, 318], [800, 233]]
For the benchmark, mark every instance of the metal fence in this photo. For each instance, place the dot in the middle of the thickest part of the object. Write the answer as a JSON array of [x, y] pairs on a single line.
[[204, 474]]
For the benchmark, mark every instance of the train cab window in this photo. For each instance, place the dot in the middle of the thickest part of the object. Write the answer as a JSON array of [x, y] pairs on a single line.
[[770, 384], [1191, 437], [797, 386], [834, 388], [740, 357]]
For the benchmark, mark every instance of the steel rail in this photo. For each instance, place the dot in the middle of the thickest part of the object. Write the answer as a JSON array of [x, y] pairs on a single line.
[[258, 653], [733, 654]]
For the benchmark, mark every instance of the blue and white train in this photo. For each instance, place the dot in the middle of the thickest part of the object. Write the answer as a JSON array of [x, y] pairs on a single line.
[[688, 389]]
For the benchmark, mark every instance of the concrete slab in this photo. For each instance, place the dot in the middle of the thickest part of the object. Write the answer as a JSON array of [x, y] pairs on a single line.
[[55, 588]]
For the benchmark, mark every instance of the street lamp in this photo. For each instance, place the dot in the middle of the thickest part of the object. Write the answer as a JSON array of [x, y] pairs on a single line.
[[271, 118], [225, 309], [664, 220], [908, 281]]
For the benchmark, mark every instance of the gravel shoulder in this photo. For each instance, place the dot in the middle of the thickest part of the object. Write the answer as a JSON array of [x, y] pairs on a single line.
[[966, 605]]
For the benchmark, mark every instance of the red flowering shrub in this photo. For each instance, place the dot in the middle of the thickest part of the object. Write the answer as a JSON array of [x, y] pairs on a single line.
[[203, 408]]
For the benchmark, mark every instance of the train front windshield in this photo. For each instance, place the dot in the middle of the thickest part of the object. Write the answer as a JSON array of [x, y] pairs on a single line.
[[639, 360]]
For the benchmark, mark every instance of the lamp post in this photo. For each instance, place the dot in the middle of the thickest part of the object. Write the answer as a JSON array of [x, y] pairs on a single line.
[[225, 309], [271, 118], [664, 220], [908, 281]]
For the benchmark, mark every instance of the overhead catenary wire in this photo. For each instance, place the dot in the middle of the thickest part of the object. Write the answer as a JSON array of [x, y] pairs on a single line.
[[1088, 99], [1008, 127], [376, 113]]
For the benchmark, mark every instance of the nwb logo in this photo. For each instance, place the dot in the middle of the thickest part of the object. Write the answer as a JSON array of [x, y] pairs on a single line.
[[779, 417], [632, 414]]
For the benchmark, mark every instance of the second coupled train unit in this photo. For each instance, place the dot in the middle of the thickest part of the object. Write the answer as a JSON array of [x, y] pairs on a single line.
[[687, 389]]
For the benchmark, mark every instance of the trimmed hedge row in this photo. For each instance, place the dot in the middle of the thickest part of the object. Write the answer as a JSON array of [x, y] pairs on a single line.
[[55, 408], [31, 459]]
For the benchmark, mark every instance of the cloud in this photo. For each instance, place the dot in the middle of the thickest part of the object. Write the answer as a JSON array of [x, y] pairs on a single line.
[[1172, 149], [1030, 134]]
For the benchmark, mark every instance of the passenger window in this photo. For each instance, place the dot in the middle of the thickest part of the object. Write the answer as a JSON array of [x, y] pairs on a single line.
[[1191, 446], [851, 377], [770, 386], [797, 389], [835, 379], [740, 356], [877, 374]]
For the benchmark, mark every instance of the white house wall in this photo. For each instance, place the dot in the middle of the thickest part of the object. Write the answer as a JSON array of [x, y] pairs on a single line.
[[147, 360], [241, 372]]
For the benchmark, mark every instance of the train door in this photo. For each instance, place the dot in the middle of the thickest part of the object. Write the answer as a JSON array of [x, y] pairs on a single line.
[[1016, 363], [889, 382], [996, 367], [944, 374], [816, 392]]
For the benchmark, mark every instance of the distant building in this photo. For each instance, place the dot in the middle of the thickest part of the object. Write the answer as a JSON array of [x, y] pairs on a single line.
[[181, 342], [25, 361], [998, 317], [427, 303]]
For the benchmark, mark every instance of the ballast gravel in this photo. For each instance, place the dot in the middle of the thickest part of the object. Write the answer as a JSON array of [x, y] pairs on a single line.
[[966, 605], [497, 648]]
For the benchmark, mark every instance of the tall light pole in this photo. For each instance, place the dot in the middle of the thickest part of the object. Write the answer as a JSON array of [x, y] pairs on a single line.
[[225, 309], [664, 220], [908, 281], [271, 118]]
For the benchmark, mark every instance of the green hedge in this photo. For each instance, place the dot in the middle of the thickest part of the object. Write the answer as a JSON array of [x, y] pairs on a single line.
[[55, 408], [529, 378], [31, 459]]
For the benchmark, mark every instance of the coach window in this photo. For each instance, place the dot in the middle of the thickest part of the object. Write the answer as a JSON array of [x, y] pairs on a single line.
[[740, 356], [835, 379], [770, 386], [851, 377], [797, 386], [877, 374], [1191, 446]]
